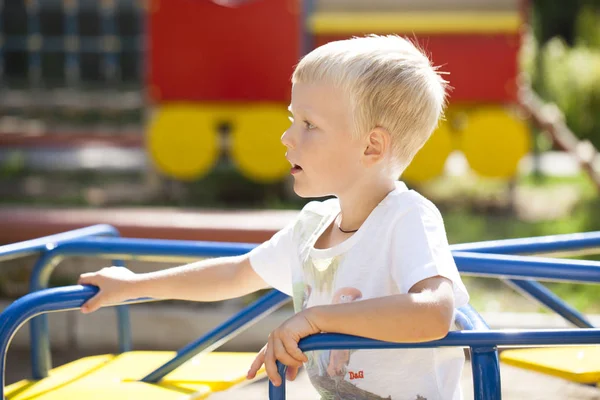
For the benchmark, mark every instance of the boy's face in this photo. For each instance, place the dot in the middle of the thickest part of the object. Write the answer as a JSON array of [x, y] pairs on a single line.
[[325, 159]]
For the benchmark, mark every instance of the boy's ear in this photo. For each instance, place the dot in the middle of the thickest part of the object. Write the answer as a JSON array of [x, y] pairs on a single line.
[[377, 145]]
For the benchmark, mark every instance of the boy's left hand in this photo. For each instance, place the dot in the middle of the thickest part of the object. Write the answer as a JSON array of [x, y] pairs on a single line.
[[283, 346]]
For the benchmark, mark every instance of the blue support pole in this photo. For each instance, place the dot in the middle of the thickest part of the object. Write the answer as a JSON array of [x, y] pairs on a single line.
[[221, 334], [542, 294], [486, 373]]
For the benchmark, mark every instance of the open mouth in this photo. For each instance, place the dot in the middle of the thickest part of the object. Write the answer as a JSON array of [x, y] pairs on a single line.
[[296, 168]]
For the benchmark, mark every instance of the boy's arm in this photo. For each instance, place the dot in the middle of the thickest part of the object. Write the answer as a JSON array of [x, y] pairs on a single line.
[[424, 314], [207, 280]]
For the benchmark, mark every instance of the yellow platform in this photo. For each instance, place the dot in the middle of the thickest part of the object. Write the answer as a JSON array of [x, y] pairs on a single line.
[[116, 377], [578, 363]]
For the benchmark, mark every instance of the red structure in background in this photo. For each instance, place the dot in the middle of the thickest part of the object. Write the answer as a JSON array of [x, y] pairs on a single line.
[[481, 68], [202, 51]]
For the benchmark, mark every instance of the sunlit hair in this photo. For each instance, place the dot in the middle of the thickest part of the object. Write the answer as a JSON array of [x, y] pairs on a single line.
[[391, 84]]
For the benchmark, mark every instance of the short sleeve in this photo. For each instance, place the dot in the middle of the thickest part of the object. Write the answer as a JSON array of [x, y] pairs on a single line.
[[272, 260], [420, 250]]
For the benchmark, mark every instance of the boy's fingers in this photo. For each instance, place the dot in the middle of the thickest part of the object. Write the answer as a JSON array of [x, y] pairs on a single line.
[[92, 304], [291, 347], [256, 364], [270, 364], [86, 279], [292, 373], [282, 355]]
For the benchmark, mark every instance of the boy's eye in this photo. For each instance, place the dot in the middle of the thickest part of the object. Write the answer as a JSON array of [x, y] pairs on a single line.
[[308, 125]]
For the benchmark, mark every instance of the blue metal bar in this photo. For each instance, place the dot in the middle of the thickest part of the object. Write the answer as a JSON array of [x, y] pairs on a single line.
[[73, 297], [37, 303], [484, 360], [474, 339], [542, 294], [221, 334], [149, 249], [486, 373], [526, 267], [537, 245], [41, 360], [34, 246], [113, 248], [565, 244]]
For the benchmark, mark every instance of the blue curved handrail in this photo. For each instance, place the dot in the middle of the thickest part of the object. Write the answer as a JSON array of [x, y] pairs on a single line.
[[34, 246], [40, 355], [72, 297], [111, 248], [472, 339], [535, 245]]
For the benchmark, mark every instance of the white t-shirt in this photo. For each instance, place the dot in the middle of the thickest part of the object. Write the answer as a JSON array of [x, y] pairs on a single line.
[[402, 242]]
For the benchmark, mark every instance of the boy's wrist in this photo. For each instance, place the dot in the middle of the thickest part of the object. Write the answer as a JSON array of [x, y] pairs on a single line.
[[135, 287], [315, 316]]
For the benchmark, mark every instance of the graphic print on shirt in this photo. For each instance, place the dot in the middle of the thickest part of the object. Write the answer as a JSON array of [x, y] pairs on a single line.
[[327, 369]]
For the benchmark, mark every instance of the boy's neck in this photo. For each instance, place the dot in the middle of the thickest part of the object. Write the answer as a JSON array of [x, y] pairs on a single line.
[[359, 201]]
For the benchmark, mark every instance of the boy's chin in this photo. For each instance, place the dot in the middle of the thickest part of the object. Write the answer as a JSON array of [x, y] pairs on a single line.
[[307, 193]]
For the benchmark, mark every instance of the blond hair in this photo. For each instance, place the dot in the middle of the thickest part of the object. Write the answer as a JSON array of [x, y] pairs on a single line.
[[390, 83]]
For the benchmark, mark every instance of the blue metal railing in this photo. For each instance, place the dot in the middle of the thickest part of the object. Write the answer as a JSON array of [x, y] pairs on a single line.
[[562, 245], [112, 248], [493, 265], [482, 342], [41, 360], [170, 250]]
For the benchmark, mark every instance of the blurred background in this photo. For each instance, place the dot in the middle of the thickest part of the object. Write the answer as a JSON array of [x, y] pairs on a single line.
[[163, 118]]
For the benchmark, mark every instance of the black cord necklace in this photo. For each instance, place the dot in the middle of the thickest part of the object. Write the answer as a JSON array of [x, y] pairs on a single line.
[[340, 228]]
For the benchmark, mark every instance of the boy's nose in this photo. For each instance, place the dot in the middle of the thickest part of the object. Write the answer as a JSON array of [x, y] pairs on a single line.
[[286, 139]]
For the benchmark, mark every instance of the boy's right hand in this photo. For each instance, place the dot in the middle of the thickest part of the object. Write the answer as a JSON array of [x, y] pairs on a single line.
[[115, 287]]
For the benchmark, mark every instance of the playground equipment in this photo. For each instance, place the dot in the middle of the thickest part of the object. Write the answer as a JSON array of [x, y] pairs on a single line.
[[229, 96], [197, 371]]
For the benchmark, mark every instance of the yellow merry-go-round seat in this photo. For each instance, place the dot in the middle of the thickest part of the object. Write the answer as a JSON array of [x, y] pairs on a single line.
[[577, 363], [118, 377]]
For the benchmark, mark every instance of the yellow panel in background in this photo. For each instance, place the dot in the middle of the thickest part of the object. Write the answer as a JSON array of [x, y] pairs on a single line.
[[183, 141], [494, 141], [577, 363], [430, 160], [255, 145], [441, 22]]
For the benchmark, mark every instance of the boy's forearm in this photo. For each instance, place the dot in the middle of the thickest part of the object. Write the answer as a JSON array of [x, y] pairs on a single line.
[[405, 318], [206, 280]]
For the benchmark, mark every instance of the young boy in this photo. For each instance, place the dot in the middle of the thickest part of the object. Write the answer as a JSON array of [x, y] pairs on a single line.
[[374, 261]]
